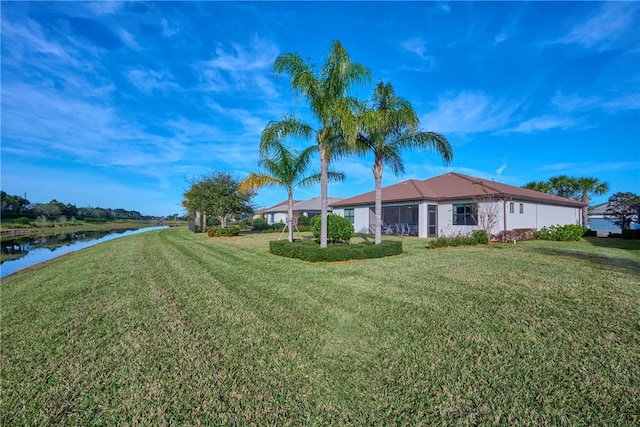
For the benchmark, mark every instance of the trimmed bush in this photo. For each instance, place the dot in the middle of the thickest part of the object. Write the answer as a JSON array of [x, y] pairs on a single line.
[[223, 231], [475, 238], [339, 229], [562, 233], [516, 234], [309, 250]]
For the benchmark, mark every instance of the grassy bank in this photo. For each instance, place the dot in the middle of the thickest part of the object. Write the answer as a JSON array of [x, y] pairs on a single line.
[[51, 229], [168, 327]]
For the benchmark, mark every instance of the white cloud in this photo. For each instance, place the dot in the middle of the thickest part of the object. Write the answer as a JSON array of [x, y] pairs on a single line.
[[501, 169], [167, 30], [149, 80], [542, 123], [587, 168], [259, 56], [128, 39], [611, 22], [468, 112]]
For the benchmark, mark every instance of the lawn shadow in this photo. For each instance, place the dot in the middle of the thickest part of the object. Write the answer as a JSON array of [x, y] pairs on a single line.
[[626, 265]]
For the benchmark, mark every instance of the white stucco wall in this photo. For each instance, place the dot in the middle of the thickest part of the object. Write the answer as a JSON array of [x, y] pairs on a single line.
[[534, 215], [277, 217]]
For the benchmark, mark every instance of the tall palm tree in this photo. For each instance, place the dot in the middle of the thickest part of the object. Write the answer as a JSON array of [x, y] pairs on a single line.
[[587, 186], [385, 130], [284, 169], [564, 186], [326, 91], [541, 186]]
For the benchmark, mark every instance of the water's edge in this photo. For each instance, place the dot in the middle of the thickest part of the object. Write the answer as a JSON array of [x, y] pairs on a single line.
[[35, 255]]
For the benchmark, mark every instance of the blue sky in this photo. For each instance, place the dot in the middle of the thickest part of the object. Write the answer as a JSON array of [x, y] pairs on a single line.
[[119, 104]]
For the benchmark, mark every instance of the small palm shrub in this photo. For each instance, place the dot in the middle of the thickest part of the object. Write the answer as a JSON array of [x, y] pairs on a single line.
[[562, 232], [339, 229]]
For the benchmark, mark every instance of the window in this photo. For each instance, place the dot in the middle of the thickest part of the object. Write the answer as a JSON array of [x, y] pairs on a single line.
[[349, 214], [465, 214], [521, 208], [511, 207]]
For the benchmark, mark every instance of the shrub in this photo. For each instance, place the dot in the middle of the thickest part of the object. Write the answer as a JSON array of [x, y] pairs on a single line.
[[223, 231], [476, 237], [480, 237], [631, 234], [309, 250], [339, 229], [303, 220], [259, 224], [22, 220], [93, 220], [516, 234], [562, 232]]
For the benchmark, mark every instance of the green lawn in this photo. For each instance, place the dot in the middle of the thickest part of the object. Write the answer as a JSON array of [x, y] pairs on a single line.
[[168, 327]]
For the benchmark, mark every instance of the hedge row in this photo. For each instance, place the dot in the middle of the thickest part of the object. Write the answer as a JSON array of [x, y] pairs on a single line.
[[562, 232], [223, 231], [309, 250], [475, 238]]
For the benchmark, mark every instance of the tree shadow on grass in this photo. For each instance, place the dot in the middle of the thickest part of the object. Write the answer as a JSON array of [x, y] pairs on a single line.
[[625, 265]]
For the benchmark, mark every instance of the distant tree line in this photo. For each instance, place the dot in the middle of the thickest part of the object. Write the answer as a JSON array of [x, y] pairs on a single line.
[[15, 206]]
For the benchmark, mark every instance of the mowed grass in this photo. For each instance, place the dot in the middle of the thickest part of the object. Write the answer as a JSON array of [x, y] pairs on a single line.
[[168, 327]]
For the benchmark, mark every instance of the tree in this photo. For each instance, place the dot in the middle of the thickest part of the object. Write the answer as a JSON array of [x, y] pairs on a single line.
[[541, 186], [217, 194], [387, 128], [589, 186], [560, 185], [326, 91], [620, 209], [13, 203], [564, 186], [285, 169]]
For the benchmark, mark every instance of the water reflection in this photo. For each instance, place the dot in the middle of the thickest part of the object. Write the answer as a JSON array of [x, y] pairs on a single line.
[[22, 252]]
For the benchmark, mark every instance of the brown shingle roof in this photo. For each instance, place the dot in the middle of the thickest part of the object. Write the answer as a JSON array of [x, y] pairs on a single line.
[[454, 186], [278, 207]]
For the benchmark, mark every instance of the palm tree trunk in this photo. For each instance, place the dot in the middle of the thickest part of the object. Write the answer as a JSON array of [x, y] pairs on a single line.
[[324, 165], [290, 215], [585, 210], [204, 222], [377, 175]]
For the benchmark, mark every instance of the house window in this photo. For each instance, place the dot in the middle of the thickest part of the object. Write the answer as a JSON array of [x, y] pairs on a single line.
[[272, 218], [349, 214], [511, 207], [465, 214], [521, 208]]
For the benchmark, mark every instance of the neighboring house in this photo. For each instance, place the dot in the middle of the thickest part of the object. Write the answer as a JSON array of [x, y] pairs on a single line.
[[602, 225], [453, 203], [279, 213], [274, 214]]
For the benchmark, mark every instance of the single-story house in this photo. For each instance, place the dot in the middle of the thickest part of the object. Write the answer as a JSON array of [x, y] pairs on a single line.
[[604, 226], [279, 212], [453, 203]]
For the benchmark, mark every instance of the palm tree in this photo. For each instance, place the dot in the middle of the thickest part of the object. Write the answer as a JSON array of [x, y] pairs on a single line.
[[385, 130], [326, 91], [587, 186], [541, 186], [285, 169]]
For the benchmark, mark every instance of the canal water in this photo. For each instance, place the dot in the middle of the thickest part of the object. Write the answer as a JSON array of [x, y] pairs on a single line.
[[20, 253]]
